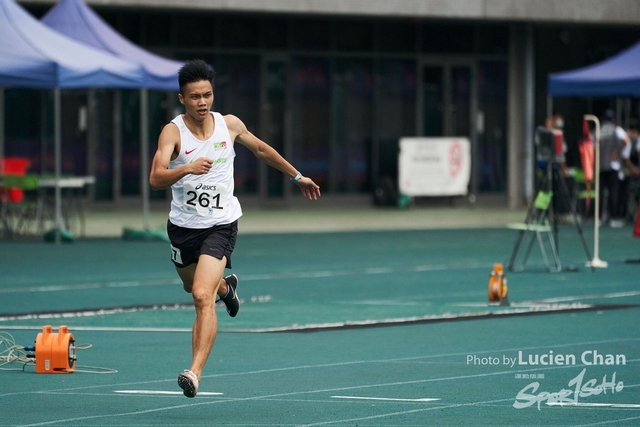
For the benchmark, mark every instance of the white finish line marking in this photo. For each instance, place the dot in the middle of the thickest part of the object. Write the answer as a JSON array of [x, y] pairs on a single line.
[[392, 399], [152, 392]]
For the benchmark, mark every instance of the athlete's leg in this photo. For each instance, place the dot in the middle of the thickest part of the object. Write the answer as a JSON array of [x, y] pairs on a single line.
[[186, 275], [206, 283], [203, 338]]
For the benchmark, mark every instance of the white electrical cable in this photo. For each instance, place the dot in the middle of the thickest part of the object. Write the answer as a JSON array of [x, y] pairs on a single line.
[[13, 353], [10, 353]]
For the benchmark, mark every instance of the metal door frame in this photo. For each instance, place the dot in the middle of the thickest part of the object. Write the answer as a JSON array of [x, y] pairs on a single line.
[[287, 151], [447, 63]]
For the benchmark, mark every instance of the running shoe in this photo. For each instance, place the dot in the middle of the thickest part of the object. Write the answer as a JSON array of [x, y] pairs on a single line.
[[188, 382], [231, 300]]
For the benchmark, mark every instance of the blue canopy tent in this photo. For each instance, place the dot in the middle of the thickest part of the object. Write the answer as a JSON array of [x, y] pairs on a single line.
[[78, 21], [618, 76], [615, 76], [35, 56]]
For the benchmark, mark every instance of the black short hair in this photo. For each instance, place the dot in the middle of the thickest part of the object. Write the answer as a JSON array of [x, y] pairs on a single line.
[[193, 71], [609, 114]]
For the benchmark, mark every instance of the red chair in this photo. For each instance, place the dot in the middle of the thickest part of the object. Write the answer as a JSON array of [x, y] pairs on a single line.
[[14, 166]]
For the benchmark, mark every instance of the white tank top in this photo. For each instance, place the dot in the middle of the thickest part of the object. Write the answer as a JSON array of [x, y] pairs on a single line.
[[202, 201]]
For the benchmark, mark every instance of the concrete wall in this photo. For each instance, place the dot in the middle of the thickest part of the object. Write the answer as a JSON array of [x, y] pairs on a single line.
[[625, 12]]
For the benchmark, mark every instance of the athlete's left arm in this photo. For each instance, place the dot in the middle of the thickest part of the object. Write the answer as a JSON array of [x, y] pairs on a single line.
[[263, 151]]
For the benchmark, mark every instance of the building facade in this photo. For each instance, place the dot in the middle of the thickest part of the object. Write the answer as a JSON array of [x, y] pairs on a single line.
[[334, 85]]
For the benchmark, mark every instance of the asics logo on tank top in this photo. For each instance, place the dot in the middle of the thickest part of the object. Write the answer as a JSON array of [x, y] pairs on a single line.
[[206, 187]]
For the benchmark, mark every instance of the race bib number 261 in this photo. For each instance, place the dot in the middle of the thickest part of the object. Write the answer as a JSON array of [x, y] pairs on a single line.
[[205, 199]]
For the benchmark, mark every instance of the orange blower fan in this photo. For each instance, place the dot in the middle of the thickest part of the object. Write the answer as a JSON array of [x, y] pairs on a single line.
[[498, 286], [55, 352]]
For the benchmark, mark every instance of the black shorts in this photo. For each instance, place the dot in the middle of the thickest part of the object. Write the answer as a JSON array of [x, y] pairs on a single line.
[[187, 244]]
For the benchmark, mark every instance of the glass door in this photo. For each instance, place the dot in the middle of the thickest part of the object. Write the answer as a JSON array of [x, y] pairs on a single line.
[[433, 108], [446, 94], [273, 123], [458, 117], [446, 102]]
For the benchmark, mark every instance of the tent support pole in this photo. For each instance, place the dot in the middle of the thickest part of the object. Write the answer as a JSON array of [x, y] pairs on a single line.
[[596, 261], [144, 155], [529, 112], [1, 129], [92, 138], [44, 101], [117, 145], [57, 103]]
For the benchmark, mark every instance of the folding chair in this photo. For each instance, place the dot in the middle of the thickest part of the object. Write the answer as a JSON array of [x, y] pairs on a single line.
[[21, 216]]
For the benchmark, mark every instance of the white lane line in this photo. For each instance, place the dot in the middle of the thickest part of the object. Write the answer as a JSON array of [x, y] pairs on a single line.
[[102, 329], [163, 392], [546, 308], [391, 399], [582, 297], [245, 278], [98, 285], [547, 305], [418, 359], [301, 393], [597, 405], [618, 421]]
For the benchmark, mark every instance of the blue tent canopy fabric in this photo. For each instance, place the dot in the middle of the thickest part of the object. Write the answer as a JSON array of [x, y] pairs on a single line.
[[615, 76], [35, 56], [78, 21], [21, 66]]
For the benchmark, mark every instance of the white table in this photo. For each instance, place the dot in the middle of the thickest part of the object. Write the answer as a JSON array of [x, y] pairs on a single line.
[[68, 182], [72, 206], [71, 200]]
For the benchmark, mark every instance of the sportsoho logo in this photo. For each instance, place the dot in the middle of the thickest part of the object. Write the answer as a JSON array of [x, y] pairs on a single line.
[[577, 388]]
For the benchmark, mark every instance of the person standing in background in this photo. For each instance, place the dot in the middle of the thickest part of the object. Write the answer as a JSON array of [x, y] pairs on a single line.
[[629, 175], [612, 141]]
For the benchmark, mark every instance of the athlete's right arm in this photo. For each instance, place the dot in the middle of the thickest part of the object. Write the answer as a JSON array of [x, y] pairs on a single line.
[[168, 148]]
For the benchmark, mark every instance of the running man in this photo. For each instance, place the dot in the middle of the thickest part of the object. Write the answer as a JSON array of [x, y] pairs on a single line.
[[195, 158]]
